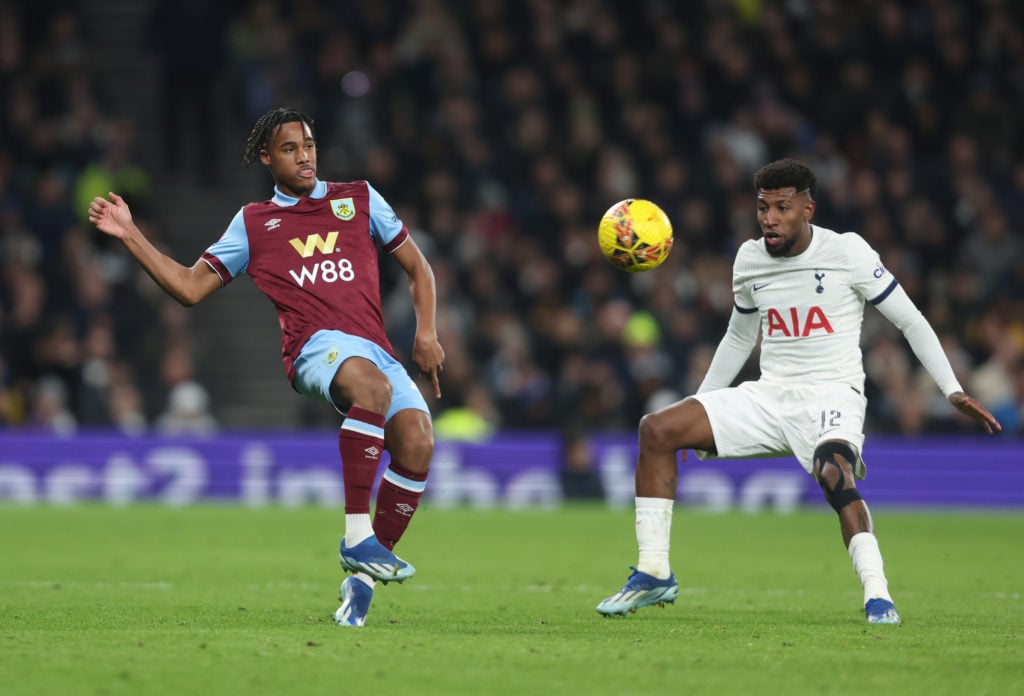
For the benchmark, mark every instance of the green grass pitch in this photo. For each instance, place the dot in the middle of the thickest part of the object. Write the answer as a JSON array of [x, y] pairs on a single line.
[[232, 600]]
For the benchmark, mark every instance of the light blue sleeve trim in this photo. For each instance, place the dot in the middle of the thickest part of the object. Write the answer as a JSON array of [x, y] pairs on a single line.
[[384, 222], [232, 249]]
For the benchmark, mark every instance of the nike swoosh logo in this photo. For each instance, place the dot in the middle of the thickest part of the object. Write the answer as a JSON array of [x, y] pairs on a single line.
[[762, 286]]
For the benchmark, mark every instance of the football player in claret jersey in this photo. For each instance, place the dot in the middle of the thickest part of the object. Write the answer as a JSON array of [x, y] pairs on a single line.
[[803, 287], [313, 250]]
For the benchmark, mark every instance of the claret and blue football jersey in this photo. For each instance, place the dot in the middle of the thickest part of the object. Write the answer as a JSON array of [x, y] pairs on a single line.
[[315, 258]]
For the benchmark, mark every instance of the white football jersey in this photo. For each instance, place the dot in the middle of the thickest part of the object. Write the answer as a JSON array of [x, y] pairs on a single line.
[[811, 305]]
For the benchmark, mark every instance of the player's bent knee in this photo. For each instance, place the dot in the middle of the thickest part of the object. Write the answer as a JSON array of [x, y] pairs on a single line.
[[683, 425], [655, 432], [832, 459], [410, 441], [418, 448], [833, 467]]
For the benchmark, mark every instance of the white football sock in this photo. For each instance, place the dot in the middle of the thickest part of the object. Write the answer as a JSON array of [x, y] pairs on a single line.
[[653, 529], [357, 529], [867, 561]]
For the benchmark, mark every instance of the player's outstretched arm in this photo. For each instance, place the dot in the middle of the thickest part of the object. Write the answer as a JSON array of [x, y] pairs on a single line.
[[969, 406], [427, 352], [901, 311], [186, 285]]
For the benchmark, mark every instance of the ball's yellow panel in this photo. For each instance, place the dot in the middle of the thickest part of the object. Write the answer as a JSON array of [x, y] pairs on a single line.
[[635, 235]]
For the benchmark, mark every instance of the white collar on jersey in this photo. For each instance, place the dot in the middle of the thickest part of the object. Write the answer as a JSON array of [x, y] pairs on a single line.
[[319, 191]]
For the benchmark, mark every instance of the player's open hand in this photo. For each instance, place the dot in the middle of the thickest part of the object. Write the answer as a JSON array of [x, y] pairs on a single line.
[[112, 217], [971, 408], [428, 355]]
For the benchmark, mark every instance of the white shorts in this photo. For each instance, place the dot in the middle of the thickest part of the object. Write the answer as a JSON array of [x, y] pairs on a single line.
[[759, 419]]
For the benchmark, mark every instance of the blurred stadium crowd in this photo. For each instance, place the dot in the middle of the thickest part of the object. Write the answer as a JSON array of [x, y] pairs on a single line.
[[501, 131]]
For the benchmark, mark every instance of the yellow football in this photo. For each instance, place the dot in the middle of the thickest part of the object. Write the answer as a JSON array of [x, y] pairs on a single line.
[[635, 235]]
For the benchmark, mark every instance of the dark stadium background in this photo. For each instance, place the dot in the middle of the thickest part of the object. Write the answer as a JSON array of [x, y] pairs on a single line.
[[501, 131]]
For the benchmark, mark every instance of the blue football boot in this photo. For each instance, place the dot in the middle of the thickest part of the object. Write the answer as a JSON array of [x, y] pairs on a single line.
[[373, 558], [641, 590], [881, 611], [356, 596]]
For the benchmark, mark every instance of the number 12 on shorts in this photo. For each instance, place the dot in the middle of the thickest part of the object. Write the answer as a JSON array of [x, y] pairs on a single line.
[[830, 419]]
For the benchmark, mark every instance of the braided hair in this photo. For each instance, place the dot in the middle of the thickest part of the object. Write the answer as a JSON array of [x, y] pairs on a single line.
[[264, 131]]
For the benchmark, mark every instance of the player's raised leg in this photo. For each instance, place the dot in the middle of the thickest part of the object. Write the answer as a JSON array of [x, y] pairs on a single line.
[[833, 467], [361, 384], [409, 439], [680, 426]]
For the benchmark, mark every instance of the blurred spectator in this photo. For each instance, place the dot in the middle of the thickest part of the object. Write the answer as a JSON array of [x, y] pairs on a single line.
[[50, 408], [126, 408], [12, 402], [475, 420], [113, 170], [187, 412], [72, 313], [501, 132], [580, 479]]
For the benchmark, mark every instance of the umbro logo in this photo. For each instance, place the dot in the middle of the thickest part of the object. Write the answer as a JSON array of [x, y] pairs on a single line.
[[757, 287], [372, 451], [272, 224], [405, 509]]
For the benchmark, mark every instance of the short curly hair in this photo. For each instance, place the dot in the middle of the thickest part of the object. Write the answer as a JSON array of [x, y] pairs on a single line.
[[264, 131], [785, 173]]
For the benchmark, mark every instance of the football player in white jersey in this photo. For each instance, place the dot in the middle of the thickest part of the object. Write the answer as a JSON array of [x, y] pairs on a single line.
[[803, 288]]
